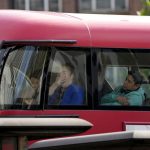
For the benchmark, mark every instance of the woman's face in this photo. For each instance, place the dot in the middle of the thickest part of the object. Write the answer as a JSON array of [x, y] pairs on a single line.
[[129, 83]]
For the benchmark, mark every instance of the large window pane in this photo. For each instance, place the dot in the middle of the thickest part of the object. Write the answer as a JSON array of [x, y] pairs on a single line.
[[114, 80], [22, 77], [67, 84], [103, 4], [36, 5]]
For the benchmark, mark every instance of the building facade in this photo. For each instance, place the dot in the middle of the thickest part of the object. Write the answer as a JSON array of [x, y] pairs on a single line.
[[129, 7]]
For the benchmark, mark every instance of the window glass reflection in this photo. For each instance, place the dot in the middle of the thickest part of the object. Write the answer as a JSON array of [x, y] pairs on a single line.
[[37, 5], [123, 77], [53, 5], [85, 5], [19, 4], [22, 77], [103, 4], [120, 4], [67, 85]]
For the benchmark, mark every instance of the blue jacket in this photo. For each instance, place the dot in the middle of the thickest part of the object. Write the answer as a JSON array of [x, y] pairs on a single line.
[[73, 95], [135, 98]]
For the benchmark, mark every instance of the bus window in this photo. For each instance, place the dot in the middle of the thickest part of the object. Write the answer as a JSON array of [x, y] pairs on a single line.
[[114, 66], [21, 78], [146, 85], [67, 82]]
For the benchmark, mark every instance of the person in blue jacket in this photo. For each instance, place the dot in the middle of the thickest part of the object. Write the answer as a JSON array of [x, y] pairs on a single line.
[[63, 91], [130, 94]]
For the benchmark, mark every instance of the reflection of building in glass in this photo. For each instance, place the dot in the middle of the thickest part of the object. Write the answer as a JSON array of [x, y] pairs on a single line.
[[83, 6], [116, 75]]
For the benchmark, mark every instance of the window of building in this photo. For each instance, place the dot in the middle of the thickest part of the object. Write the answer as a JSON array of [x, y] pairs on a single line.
[[19, 4], [54, 5], [85, 5], [103, 5], [120, 5], [39, 5]]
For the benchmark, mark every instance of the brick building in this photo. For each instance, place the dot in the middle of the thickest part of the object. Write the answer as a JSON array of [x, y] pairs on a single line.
[[84, 6]]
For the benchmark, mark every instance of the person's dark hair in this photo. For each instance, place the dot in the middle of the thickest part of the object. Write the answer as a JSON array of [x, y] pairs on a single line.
[[70, 67], [138, 78]]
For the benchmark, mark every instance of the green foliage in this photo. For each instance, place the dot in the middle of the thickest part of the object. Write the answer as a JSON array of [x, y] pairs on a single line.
[[145, 11]]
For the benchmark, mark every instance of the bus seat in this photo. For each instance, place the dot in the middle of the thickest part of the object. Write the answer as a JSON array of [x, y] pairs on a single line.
[[145, 86], [106, 88], [146, 102]]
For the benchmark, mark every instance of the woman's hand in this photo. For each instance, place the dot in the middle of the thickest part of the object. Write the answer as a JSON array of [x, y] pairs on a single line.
[[123, 100]]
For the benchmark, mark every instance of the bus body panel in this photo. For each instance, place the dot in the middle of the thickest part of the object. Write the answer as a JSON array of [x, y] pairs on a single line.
[[98, 30], [104, 121], [89, 31], [118, 31], [39, 26]]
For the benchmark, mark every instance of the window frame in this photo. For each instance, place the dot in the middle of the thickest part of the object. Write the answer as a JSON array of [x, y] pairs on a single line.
[[92, 81], [89, 87], [123, 108], [19, 107]]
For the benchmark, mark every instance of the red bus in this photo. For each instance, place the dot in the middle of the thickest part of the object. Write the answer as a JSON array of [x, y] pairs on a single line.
[[101, 48]]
